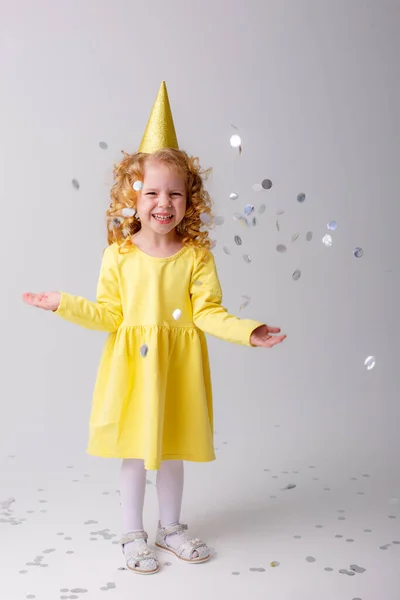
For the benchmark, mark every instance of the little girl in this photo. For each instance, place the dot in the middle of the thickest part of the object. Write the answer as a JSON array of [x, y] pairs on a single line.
[[158, 292]]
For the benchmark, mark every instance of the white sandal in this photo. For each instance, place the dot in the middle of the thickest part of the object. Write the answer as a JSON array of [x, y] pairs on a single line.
[[143, 560], [185, 550]]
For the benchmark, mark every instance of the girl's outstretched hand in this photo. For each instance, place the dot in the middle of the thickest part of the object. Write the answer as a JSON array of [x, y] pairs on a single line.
[[47, 300], [261, 336]]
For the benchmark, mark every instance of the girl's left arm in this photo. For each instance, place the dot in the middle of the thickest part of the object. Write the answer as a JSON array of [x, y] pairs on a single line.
[[208, 313]]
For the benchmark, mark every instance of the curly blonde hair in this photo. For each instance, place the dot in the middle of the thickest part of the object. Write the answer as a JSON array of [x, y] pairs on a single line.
[[122, 223]]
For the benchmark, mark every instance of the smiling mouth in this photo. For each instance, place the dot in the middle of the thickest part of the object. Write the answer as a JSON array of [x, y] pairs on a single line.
[[163, 218]]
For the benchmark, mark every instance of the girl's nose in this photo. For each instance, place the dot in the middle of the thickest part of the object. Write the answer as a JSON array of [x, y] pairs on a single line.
[[164, 200]]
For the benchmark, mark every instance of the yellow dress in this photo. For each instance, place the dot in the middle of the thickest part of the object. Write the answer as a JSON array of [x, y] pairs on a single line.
[[156, 406]]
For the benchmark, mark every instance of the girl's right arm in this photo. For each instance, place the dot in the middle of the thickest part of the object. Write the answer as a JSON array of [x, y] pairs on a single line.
[[103, 315]]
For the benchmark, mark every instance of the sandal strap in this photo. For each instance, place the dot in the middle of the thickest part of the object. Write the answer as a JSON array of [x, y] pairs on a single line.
[[132, 536], [139, 556], [189, 545], [164, 531]]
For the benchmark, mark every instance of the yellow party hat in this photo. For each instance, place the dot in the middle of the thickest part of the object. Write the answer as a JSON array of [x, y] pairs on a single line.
[[160, 130]]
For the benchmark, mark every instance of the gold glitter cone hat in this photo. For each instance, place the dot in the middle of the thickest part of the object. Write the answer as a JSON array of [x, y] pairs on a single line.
[[160, 130]]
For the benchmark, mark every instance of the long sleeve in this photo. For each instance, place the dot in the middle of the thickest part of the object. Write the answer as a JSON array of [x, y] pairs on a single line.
[[106, 313], [208, 313]]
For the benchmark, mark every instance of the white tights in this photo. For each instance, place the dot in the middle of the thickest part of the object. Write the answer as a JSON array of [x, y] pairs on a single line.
[[169, 483]]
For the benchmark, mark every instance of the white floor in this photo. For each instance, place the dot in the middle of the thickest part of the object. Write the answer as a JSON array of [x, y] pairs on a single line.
[[59, 531]]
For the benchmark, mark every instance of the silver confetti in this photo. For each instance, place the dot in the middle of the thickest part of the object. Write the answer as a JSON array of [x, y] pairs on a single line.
[[266, 184], [205, 218], [144, 350], [238, 240], [332, 225], [290, 486], [235, 141], [76, 184], [247, 258], [226, 250], [358, 252], [246, 302], [280, 212], [370, 362], [327, 240], [137, 186], [296, 275], [357, 569], [233, 196], [301, 197], [128, 212], [248, 209], [295, 237], [277, 226], [281, 248], [177, 314]]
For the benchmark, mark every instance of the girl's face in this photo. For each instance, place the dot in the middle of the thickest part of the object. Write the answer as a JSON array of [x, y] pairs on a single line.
[[161, 204]]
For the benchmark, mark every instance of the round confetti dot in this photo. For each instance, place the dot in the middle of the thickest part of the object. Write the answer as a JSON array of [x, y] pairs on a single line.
[[103, 145], [128, 212], [257, 187], [177, 314], [281, 248], [296, 275], [266, 184], [247, 258], [327, 240], [261, 209], [392, 517], [219, 220], [297, 537], [257, 569], [248, 209], [233, 196], [301, 197], [235, 573], [309, 236], [310, 559], [358, 252], [144, 350], [349, 540], [238, 240], [328, 569], [369, 362], [332, 225], [368, 530], [205, 218], [137, 186], [235, 141], [338, 536], [76, 184]]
